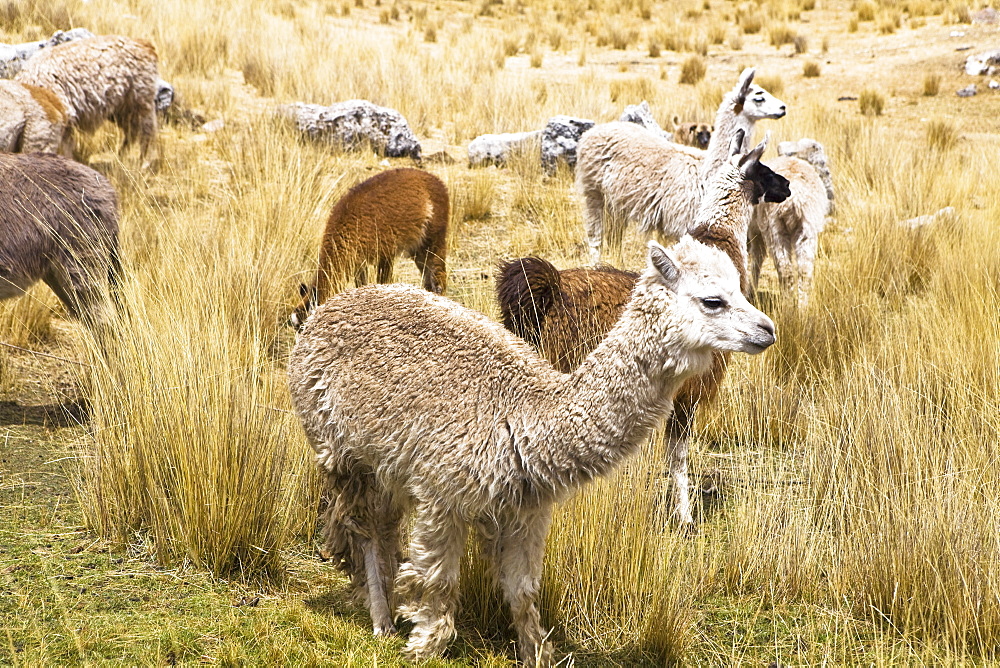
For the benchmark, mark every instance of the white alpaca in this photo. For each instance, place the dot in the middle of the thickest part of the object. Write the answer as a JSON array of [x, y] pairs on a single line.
[[789, 231], [625, 172], [412, 400]]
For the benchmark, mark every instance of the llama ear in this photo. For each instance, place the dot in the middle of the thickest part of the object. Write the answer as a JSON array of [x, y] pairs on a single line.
[[743, 88], [693, 129], [755, 154], [660, 260], [736, 144], [677, 120]]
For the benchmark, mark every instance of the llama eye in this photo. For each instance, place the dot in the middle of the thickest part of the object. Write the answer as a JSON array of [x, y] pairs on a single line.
[[713, 303]]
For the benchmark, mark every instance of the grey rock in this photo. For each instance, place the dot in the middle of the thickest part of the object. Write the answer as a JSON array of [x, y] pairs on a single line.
[[987, 15], [355, 124], [641, 115], [12, 56], [968, 91], [994, 84], [983, 63], [559, 140], [496, 149], [812, 152]]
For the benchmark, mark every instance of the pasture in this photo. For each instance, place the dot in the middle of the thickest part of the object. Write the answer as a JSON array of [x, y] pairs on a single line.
[[158, 499]]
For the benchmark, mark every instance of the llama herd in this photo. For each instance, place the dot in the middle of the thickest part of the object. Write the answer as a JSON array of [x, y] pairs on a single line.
[[416, 405]]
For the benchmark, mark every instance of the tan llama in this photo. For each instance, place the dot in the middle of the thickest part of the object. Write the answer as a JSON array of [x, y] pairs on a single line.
[[400, 211], [412, 401]]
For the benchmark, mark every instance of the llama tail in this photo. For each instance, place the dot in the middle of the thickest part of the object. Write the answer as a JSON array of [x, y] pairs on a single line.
[[527, 289]]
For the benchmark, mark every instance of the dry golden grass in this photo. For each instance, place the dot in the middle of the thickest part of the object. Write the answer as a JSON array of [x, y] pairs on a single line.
[[857, 459], [871, 102], [692, 70]]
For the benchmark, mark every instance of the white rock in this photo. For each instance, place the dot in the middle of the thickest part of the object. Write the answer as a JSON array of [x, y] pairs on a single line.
[[496, 149]]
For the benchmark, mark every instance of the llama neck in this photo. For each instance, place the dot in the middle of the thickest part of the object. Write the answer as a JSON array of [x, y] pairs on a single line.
[[727, 123], [608, 407], [723, 221]]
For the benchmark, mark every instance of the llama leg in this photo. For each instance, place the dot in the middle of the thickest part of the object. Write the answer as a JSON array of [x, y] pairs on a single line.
[[805, 255], [518, 559], [429, 580], [359, 529], [593, 223], [780, 250], [679, 426], [756, 251]]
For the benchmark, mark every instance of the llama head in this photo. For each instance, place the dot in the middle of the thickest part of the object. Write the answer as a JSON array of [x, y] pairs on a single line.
[[707, 307], [764, 182], [695, 134], [752, 102], [307, 305]]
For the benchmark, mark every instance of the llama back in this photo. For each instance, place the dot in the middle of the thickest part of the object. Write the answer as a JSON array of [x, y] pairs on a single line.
[[564, 314], [400, 211], [366, 375], [807, 205], [98, 77]]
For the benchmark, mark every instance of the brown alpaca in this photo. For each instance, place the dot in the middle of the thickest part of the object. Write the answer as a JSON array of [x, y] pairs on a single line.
[[692, 134], [59, 224], [566, 314], [400, 211]]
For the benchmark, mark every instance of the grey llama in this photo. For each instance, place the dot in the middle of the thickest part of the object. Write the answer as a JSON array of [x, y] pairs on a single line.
[[625, 173], [59, 224], [411, 400]]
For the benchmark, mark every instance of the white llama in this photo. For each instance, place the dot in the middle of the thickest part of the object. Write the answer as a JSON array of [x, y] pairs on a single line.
[[625, 172]]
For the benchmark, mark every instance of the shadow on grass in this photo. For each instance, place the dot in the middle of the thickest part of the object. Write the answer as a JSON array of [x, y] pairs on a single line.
[[67, 414]]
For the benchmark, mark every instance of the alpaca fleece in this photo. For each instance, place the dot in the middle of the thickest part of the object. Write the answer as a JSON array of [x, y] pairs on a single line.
[[102, 78], [400, 211], [32, 120], [411, 400], [59, 224]]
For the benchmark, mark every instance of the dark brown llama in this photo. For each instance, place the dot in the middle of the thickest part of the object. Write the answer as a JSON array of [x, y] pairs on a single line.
[[400, 211], [566, 314], [59, 224]]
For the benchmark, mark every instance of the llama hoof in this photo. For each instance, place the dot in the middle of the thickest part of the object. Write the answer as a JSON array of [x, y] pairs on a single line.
[[384, 629]]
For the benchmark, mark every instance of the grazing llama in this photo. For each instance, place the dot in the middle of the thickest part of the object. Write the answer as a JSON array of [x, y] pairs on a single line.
[[102, 78], [399, 211], [33, 120], [625, 172], [59, 224], [411, 400], [692, 134], [565, 314]]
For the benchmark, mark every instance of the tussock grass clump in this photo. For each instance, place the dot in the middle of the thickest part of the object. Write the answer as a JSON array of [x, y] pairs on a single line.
[[750, 22], [942, 135], [801, 44], [781, 34], [692, 70], [773, 83], [866, 10], [631, 90], [871, 102], [617, 35], [27, 320], [932, 84], [810, 69]]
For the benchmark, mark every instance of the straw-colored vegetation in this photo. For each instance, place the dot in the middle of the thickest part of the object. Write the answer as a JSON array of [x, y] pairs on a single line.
[[852, 487]]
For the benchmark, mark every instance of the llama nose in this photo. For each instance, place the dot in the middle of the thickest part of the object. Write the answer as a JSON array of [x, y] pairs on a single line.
[[768, 335]]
